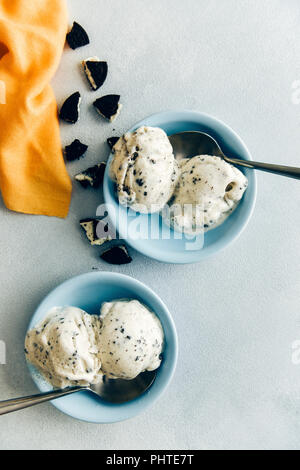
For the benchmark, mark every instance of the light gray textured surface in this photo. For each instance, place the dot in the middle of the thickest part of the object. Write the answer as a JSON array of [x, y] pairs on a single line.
[[238, 313]]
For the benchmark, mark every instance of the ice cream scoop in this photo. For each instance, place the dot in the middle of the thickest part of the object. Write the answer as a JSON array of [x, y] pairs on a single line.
[[207, 192], [144, 169], [131, 339], [71, 347], [64, 347]]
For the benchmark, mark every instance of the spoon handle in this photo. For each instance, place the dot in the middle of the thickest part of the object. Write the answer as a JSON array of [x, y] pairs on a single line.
[[17, 404], [289, 171]]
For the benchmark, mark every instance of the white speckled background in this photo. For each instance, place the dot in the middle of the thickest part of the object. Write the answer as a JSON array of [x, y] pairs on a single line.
[[238, 313]]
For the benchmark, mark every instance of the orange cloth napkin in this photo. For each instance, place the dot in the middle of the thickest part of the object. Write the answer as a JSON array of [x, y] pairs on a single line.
[[33, 176]]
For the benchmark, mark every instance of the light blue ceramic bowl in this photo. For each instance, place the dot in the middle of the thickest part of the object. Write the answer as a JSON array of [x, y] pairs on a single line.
[[172, 250], [88, 292]]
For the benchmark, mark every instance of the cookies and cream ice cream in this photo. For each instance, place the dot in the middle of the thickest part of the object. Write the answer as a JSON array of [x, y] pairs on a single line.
[[207, 192], [144, 169], [70, 347], [131, 339], [64, 347]]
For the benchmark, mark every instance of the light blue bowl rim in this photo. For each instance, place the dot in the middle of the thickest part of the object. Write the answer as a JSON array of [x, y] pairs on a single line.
[[185, 115], [113, 413]]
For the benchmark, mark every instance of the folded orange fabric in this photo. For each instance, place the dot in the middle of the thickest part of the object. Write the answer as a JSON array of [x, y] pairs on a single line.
[[33, 176]]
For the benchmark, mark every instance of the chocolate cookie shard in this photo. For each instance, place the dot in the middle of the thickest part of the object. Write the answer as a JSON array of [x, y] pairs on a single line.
[[75, 151], [112, 141], [90, 227], [108, 106], [117, 255], [95, 71], [92, 177], [77, 37], [70, 109]]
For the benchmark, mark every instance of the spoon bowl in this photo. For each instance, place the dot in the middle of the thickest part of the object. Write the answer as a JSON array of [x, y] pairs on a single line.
[[192, 143], [189, 144], [122, 391]]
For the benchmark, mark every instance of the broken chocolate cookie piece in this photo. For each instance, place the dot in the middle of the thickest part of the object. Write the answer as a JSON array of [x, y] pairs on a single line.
[[70, 109], [92, 231], [75, 150], [117, 255], [108, 106], [95, 71], [77, 37], [112, 141], [92, 177]]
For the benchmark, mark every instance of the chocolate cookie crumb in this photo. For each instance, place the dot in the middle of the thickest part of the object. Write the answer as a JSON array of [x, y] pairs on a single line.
[[95, 71], [92, 177], [90, 228], [108, 106], [70, 109], [112, 141], [75, 150], [77, 37], [117, 255]]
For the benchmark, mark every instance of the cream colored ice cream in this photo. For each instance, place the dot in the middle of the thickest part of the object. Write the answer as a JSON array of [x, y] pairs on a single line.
[[131, 339], [207, 192], [144, 169], [64, 347]]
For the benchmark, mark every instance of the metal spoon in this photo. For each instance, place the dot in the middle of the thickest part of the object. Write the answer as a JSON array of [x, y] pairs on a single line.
[[114, 391], [190, 144]]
